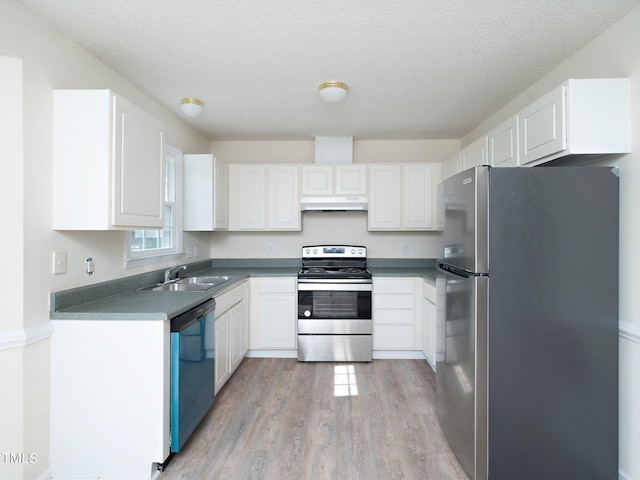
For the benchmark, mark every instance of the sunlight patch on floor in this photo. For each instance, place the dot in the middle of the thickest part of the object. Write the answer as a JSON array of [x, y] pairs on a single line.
[[344, 381]]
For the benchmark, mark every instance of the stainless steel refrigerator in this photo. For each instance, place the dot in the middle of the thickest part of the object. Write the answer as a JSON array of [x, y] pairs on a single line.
[[527, 374]]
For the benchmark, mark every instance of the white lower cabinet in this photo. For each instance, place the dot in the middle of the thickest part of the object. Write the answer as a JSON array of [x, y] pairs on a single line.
[[429, 322], [223, 370], [395, 310], [273, 318], [231, 327], [110, 397]]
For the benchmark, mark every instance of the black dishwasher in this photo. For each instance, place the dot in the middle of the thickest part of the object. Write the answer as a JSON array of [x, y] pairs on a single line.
[[192, 370]]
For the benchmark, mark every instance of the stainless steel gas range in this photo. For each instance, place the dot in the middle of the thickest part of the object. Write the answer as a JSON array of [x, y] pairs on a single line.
[[334, 304]]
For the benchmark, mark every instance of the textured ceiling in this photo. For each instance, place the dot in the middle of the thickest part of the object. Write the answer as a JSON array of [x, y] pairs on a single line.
[[416, 69]]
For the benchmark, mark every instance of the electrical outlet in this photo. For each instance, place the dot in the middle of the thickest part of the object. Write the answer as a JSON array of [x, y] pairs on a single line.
[[195, 251], [404, 250], [189, 251], [59, 262], [271, 249]]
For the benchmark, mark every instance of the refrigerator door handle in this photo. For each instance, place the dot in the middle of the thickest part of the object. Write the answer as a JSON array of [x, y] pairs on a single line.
[[460, 272]]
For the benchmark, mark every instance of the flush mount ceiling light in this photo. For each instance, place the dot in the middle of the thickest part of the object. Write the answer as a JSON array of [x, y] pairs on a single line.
[[333, 92], [191, 106]]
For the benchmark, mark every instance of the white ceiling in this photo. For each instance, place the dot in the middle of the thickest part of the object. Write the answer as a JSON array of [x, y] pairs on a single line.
[[416, 69]]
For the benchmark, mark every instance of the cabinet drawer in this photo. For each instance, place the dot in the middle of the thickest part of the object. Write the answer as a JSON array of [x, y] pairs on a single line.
[[228, 299], [393, 316], [277, 285], [393, 285], [393, 337], [393, 301]]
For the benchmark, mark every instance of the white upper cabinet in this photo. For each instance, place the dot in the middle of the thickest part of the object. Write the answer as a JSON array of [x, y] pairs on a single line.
[[403, 197], [247, 197], [385, 197], [108, 163], [264, 197], [475, 154], [283, 209], [579, 117], [420, 181], [451, 166], [205, 193], [317, 180], [351, 179], [334, 180], [503, 144]]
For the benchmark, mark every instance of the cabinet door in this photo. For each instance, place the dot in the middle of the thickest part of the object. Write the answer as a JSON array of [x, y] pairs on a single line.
[[394, 314], [221, 195], [503, 144], [277, 321], [542, 126], [429, 330], [351, 179], [418, 197], [236, 353], [245, 318], [284, 201], [317, 180], [222, 368], [251, 197], [198, 178], [138, 199], [451, 166], [475, 154], [385, 197]]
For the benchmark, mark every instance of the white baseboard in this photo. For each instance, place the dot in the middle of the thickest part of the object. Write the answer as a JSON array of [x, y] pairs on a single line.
[[26, 336], [272, 353], [399, 354]]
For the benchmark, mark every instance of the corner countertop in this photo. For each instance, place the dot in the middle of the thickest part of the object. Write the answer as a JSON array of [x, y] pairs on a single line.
[[126, 298]]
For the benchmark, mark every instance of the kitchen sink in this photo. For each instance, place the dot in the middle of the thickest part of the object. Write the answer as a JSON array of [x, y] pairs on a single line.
[[191, 284], [183, 287], [204, 280]]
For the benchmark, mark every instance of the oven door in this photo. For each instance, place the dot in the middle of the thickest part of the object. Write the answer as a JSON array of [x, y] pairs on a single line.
[[334, 308]]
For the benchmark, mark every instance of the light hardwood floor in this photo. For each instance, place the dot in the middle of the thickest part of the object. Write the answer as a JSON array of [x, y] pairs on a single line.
[[281, 419]]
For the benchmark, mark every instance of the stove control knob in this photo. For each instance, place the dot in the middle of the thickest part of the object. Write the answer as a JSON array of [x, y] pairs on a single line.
[[353, 251], [307, 251], [307, 313], [315, 250]]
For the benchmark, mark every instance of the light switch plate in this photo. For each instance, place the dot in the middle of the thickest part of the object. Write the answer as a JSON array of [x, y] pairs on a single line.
[[59, 262]]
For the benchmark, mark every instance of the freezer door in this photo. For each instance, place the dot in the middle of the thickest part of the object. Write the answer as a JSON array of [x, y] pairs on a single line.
[[466, 220], [461, 373]]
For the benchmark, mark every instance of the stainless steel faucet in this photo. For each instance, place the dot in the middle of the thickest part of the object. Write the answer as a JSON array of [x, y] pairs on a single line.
[[173, 271]]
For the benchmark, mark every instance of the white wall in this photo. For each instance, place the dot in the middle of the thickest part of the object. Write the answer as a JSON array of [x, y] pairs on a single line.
[[48, 60], [614, 53], [330, 227]]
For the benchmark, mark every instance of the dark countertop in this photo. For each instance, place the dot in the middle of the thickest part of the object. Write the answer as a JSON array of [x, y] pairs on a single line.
[[125, 299], [428, 274]]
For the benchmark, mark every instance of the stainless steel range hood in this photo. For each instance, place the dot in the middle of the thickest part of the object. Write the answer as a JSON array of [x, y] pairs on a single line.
[[334, 203]]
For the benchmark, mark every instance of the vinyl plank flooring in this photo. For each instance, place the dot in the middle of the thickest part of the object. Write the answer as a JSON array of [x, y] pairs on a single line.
[[285, 420]]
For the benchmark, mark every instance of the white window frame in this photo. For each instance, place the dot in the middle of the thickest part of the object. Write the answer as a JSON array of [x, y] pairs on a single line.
[[139, 258]]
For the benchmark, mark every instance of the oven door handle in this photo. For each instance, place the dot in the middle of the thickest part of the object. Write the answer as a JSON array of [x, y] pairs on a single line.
[[340, 287]]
